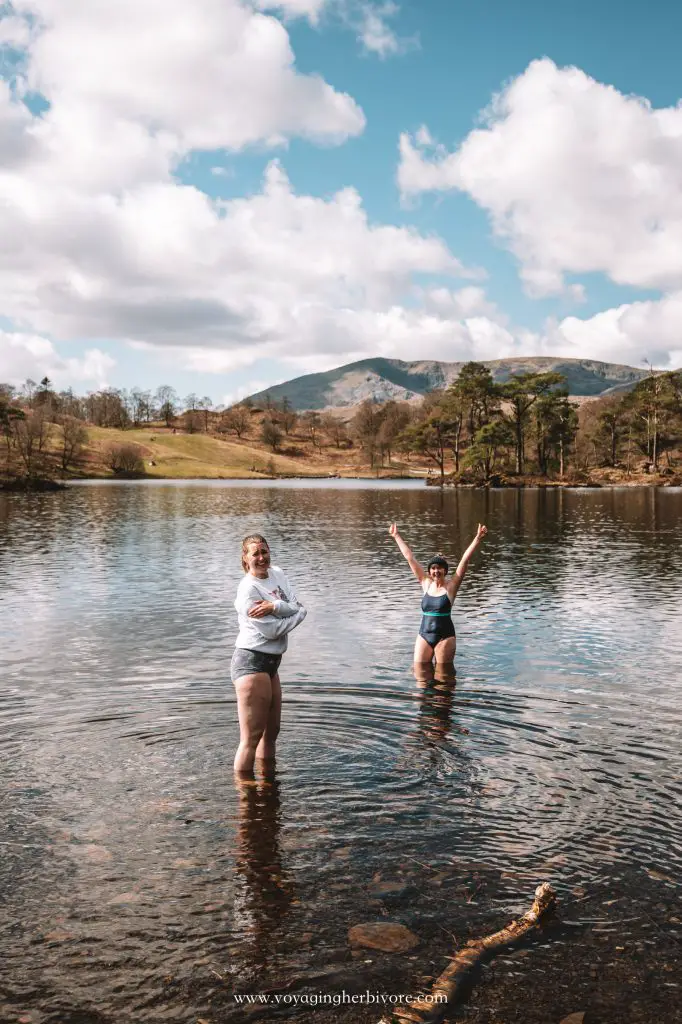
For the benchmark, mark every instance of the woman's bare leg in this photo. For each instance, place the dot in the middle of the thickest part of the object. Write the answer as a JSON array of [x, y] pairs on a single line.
[[266, 747], [445, 650], [422, 651], [445, 672], [254, 699], [423, 673]]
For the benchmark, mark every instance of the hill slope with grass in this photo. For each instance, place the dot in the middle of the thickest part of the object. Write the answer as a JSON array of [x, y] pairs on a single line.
[[198, 456]]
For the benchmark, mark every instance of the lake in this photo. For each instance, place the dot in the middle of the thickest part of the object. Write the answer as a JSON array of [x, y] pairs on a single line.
[[140, 883]]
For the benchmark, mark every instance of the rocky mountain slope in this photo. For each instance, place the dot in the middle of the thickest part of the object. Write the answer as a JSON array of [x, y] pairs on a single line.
[[382, 379]]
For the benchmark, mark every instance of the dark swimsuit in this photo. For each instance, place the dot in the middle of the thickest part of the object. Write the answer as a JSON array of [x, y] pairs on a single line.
[[437, 623]]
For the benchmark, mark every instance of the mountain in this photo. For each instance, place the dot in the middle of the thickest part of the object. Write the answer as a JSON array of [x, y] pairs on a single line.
[[382, 379]]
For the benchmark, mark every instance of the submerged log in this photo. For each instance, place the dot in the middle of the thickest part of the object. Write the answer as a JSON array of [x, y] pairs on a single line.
[[448, 986]]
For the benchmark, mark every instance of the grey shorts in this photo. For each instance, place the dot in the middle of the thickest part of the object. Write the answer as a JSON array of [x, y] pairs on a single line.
[[249, 663]]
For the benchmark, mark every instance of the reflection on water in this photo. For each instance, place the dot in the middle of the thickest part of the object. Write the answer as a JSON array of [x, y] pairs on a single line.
[[142, 884], [436, 684], [263, 891]]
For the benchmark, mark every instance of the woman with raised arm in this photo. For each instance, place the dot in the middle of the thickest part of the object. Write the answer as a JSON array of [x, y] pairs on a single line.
[[268, 610], [437, 631]]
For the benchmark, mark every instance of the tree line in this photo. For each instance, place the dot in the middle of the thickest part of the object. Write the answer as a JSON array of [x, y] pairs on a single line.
[[476, 429], [527, 424]]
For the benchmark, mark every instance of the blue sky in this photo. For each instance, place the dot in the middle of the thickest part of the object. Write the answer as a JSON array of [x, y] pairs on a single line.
[[553, 229]]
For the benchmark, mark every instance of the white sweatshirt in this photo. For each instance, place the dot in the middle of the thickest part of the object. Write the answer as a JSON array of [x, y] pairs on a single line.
[[268, 634]]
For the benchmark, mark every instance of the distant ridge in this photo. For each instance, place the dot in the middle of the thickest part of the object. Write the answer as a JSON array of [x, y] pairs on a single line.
[[382, 379]]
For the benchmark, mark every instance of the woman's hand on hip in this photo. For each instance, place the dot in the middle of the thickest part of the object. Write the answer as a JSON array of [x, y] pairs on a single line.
[[261, 609]]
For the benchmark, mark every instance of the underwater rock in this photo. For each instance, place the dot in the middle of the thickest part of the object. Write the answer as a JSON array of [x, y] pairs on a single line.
[[386, 936]]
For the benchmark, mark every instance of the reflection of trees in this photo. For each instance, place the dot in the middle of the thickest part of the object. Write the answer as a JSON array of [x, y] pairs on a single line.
[[263, 893]]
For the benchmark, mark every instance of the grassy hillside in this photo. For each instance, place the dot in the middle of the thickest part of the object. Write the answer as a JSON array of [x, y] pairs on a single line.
[[187, 456], [201, 456]]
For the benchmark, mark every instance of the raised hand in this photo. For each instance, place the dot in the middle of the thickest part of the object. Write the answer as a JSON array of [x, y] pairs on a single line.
[[393, 529], [481, 531]]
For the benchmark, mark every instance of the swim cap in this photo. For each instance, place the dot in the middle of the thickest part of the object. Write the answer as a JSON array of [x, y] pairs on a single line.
[[438, 560]]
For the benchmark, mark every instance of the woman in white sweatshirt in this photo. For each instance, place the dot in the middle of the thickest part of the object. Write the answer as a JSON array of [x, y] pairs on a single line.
[[268, 610]]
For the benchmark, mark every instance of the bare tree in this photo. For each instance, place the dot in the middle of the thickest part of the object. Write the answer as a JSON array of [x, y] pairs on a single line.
[[107, 408], [288, 416], [311, 424], [140, 406], [365, 426], [28, 390], [334, 427], [395, 417], [71, 404], [205, 405], [29, 438], [193, 421], [10, 412], [74, 439], [236, 418], [271, 433], [168, 402]]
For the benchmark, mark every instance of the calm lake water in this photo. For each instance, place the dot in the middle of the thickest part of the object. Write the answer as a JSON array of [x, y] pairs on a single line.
[[140, 883]]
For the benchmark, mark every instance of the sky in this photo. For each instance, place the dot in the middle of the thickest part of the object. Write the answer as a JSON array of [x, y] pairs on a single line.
[[219, 195]]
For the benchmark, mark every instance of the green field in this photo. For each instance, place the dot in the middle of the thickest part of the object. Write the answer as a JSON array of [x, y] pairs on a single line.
[[195, 456]]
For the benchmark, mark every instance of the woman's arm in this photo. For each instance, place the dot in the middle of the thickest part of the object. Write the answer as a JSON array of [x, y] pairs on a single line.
[[250, 599], [282, 607], [272, 628], [407, 554], [464, 560]]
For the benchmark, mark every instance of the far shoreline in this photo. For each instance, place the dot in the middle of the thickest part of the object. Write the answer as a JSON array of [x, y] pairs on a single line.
[[530, 482], [520, 485]]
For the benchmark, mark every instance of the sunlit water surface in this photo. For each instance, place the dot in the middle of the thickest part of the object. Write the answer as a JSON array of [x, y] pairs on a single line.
[[141, 884]]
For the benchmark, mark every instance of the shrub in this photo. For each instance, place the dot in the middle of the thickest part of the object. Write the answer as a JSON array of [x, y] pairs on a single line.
[[124, 458]]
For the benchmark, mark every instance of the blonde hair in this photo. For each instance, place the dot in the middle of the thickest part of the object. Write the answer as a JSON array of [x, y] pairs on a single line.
[[253, 538]]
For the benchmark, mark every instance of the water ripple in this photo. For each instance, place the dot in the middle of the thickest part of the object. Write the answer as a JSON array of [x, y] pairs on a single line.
[[131, 865]]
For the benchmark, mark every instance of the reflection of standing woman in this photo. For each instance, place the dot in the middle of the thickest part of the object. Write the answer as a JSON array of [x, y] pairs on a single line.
[[263, 891], [437, 631], [268, 610]]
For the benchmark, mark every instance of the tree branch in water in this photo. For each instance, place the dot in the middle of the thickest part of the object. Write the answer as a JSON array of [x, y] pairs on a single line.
[[450, 983]]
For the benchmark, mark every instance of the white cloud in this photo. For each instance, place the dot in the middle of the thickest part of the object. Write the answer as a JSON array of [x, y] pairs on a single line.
[[14, 32], [368, 19], [25, 356], [464, 302], [222, 172], [252, 387], [370, 23], [225, 282], [101, 241], [631, 333], [208, 74], [310, 9], [576, 178], [375, 33]]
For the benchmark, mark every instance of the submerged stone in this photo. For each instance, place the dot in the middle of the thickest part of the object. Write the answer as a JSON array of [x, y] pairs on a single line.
[[385, 936]]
